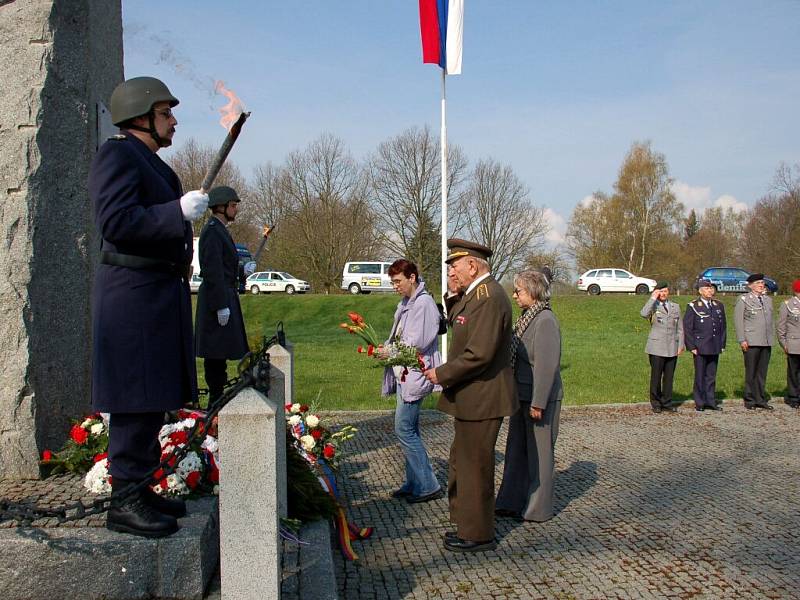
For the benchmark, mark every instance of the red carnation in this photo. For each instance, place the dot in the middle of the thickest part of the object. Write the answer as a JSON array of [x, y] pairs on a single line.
[[287, 407], [178, 437], [303, 407], [47, 455], [329, 451], [192, 479], [360, 349], [78, 434], [316, 433], [356, 318], [370, 350], [101, 456]]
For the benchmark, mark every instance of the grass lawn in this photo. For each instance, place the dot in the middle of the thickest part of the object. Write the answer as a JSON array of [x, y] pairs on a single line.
[[602, 358]]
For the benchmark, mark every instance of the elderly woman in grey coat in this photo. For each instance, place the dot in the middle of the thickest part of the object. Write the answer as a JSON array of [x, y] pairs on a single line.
[[526, 492]]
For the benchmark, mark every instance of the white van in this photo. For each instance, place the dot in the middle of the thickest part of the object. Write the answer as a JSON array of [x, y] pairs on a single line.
[[363, 277]]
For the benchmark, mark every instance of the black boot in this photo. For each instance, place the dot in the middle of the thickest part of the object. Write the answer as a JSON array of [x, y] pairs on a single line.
[[132, 515], [174, 507]]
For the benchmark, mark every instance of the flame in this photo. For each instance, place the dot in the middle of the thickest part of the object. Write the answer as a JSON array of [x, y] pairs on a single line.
[[231, 111]]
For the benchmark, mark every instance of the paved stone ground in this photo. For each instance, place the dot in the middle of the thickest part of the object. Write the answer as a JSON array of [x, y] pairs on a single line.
[[693, 505]]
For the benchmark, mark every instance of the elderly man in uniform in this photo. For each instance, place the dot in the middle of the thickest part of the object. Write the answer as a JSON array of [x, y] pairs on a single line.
[[705, 332], [664, 345], [219, 326], [789, 339], [752, 317], [142, 358], [478, 392]]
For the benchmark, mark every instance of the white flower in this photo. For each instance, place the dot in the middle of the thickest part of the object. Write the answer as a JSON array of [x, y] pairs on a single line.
[[312, 420], [87, 423], [295, 420], [308, 442], [210, 444], [295, 408], [190, 463], [96, 480], [186, 423], [97, 428]]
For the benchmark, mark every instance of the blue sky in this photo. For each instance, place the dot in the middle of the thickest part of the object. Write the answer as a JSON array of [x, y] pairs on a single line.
[[559, 90]]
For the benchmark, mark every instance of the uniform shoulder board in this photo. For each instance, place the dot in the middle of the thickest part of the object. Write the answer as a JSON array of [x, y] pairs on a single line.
[[117, 137], [481, 291]]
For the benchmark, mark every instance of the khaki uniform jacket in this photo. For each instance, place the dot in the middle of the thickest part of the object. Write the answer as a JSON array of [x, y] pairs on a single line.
[[477, 378], [753, 321], [789, 325], [666, 328]]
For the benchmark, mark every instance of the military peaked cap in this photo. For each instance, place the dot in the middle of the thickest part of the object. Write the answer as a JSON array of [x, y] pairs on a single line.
[[703, 283], [755, 277], [459, 248]]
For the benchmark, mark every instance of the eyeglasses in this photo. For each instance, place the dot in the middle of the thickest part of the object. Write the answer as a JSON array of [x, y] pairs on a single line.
[[166, 113], [516, 291]]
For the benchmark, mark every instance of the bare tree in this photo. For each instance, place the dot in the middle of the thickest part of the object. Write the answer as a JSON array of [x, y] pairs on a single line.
[[191, 163], [329, 214], [502, 215], [405, 180]]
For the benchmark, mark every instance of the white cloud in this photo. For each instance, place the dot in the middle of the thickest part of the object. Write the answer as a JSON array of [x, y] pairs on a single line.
[[558, 226], [698, 197], [727, 201]]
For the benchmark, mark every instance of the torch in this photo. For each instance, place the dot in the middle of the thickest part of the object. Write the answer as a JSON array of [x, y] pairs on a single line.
[[219, 159]]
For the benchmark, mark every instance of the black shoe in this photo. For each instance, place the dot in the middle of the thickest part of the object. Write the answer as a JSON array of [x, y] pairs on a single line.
[[137, 518], [714, 407], [765, 407], [174, 507], [656, 409], [459, 545], [699, 408], [670, 409], [401, 493], [751, 407], [450, 536], [791, 404], [426, 498], [504, 512]]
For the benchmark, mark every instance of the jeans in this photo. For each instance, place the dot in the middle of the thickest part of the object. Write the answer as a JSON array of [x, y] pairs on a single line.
[[420, 479]]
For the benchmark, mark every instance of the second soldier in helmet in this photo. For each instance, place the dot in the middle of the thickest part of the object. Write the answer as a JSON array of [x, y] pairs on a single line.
[[219, 326]]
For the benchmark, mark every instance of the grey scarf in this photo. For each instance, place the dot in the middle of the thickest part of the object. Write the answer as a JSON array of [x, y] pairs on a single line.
[[521, 325]]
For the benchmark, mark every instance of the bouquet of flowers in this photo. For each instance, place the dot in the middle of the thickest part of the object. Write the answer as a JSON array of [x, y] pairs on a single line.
[[313, 440], [394, 354], [87, 444]]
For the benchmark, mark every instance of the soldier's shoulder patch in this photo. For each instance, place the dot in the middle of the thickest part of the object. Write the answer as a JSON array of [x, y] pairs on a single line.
[[118, 137], [482, 291]]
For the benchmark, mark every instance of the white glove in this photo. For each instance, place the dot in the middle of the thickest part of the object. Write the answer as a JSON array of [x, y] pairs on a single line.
[[249, 268], [193, 204], [223, 314]]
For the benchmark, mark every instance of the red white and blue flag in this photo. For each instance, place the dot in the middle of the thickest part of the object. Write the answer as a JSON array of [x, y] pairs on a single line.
[[441, 23]]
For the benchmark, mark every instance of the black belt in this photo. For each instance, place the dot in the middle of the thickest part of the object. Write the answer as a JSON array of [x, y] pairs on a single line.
[[143, 262]]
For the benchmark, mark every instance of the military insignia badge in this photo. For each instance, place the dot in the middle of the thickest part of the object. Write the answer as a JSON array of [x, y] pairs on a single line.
[[461, 319]]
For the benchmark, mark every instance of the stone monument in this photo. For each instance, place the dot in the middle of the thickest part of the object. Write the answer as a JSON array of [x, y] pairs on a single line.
[[59, 62]]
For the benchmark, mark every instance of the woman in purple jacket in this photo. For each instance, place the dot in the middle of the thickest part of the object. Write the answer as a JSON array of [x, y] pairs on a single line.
[[416, 323]]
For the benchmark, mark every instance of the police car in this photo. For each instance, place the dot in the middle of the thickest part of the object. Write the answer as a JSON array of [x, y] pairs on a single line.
[[733, 279], [276, 281]]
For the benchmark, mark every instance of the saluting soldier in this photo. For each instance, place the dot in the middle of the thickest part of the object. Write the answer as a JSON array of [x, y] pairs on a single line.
[[219, 327], [753, 319], [705, 332], [789, 339], [664, 345], [478, 391], [142, 358]]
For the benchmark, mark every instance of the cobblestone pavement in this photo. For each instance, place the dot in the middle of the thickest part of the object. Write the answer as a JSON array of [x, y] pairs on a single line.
[[687, 505]]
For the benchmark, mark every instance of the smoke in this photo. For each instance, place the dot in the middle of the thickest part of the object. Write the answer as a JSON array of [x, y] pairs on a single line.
[[167, 54]]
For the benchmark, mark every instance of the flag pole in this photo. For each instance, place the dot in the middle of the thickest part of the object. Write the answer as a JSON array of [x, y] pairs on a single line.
[[443, 144]]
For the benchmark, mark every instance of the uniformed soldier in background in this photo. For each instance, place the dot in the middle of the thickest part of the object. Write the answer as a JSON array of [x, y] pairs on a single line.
[[705, 332], [219, 325], [478, 391], [789, 339], [753, 319], [664, 345], [142, 357]]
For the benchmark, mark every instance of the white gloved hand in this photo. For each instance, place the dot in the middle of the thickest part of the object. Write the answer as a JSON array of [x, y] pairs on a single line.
[[193, 204], [223, 314], [249, 268]]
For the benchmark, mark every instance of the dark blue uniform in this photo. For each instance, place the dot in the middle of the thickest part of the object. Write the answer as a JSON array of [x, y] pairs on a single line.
[[142, 360], [705, 330], [219, 267]]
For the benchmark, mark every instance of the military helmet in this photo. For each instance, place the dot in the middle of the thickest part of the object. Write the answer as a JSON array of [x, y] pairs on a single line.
[[221, 195], [136, 97]]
